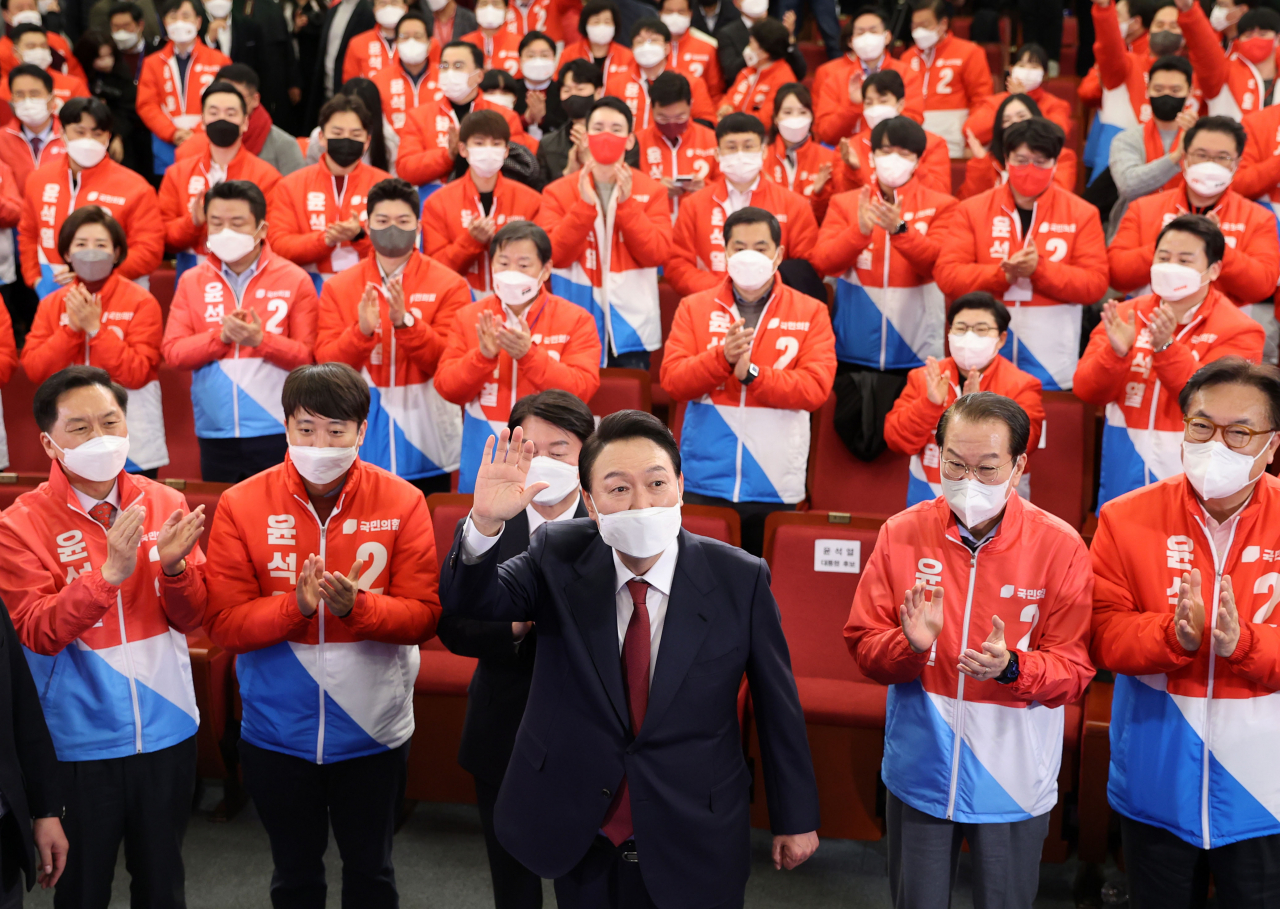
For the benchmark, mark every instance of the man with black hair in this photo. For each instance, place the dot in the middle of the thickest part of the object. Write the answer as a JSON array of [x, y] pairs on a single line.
[[954, 73], [767, 353], [368, 53], [31, 43], [1036, 246], [639, 798], [325, 561], [235, 33], [460, 219], [35, 136], [599, 27], [675, 150], [16, 13], [409, 80], [1251, 263], [86, 174], [693, 51], [542, 111], [1191, 640], [390, 316], [104, 633], [651, 50], [558, 424], [766, 71], [240, 320], [342, 22], [698, 260], [563, 150], [1245, 81], [618, 285], [733, 35], [1026, 77], [884, 98], [497, 36], [224, 118], [980, 668]]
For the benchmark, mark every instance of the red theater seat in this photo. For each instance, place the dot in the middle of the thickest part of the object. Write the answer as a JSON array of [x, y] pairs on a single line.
[[844, 711], [447, 509], [163, 283], [179, 425], [26, 454], [1095, 762], [668, 303], [713, 521], [1062, 468], [213, 680], [957, 175], [13, 485], [621, 389], [206, 494], [840, 482]]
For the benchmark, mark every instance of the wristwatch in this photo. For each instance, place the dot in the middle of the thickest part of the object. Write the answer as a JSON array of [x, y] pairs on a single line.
[[408, 320], [902, 228], [752, 371], [1011, 672], [1165, 346]]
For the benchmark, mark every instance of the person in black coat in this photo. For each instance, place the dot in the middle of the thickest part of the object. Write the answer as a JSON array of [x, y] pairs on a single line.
[[237, 36], [31, 837], [359, 18], [733, 33], [557, 423]]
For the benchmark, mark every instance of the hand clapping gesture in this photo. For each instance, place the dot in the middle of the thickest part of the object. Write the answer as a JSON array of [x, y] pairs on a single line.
[[983, 665], [936, 382], [921, 616], [1120, 333], [123, 540], [1162, 324], [339, 592], [1188, 617], [737, 341], [515, 341], [178, 536], [487, 335], [369, 310], [84, 310]]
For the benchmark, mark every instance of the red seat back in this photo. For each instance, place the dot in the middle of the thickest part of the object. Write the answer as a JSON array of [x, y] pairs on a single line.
[[1062, 468], [713, 521], [668, 303], [162, 286], [840, 482], [9, 491], [447, 509], [621, 389], [179, 425], [26, 454], [206, 494], [815, 604]]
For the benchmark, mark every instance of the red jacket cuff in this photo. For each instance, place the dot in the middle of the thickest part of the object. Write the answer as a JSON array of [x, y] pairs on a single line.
[[1243, 646]]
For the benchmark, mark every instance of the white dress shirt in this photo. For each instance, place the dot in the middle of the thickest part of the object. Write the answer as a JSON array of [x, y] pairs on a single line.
[[660, 576], [87, 502], [536, 520], [736, 200]]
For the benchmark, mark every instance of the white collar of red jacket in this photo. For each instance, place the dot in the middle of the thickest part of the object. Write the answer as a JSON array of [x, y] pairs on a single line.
[[293, 480], [1006, 534], [61, 490], [1264, 492]]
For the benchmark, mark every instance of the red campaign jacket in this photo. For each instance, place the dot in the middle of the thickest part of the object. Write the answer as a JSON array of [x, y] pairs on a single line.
[[955, 76], [368, 53], [65, 87], [9, 55], [15, 152], [752, 92], [535, 16], [306, 202], [933, 169], [982, 117], [502, 50], [835, 117], [424, 155], [450, 211], [1231, 85], [581, 50], [697, 257], [127, 344], [1258, 174], [1251, 261], [694, 56], [48, 199], [695, 156], [161, 96], [400, 95], [982, 174], [188, 178], [800, 178], [1118, 66], [629, 84], [10, 198]]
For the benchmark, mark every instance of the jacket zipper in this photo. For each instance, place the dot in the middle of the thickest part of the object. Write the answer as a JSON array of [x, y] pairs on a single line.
[[957, 715], [884, 318], [391, 423], [320, 668], [1207, 641], [742, 397], [1147, 478]]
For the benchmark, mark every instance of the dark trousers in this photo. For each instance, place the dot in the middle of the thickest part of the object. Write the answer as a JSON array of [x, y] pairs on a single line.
[[1166, 872], [12, 880], [638, 359], [604, 879], [233, 460], [753, 516], [298, 800], [514, 885], [144, 800], [428, 485]]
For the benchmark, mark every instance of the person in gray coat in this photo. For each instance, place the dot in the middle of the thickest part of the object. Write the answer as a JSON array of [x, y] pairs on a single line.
[[262, 137]]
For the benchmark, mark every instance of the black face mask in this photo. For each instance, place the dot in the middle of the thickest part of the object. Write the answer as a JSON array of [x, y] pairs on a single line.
[[393, 242], [577, 107], [344, 152], [1166, 107], [1163, 43], [222, 133]]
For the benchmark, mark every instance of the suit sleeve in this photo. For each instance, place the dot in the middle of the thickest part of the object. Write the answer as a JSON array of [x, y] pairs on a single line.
[[873, 632], [1124, 638], [806, 384], [1128, 258], [294, 348], [1250, 270], [336, 338], [131, 359], [646, 228], [957, 270], [910, 424], [473, 638], [789, 784], [188, 344], [288, 234], [1204, 50], [491, 591], [37, 758], [689, 372], [578, 369], [681, 270]]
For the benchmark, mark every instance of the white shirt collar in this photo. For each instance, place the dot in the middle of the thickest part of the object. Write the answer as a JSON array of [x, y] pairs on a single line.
[[660, 576], [536, 520], [44, 135], [87, 502]]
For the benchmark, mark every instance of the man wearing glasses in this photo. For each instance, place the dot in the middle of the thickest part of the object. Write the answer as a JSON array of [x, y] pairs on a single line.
[[1251, 261], [1143, 352], [1184, 592], [978, 326], [978, 683]]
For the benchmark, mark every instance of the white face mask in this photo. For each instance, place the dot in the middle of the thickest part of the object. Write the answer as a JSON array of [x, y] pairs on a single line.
[[649, 54], [387, 16], [1215, 471], [750, 270], [98, 460], [1173, 282], [38, 56], [561, 477], [876, 114], [31, 111], [599, 34], [181, 32], [322, 466], [972, 351], [86, 152], [456, 85], [500, 100], [894, 170], [1029, 76], [870, 45], [755, 9], [749, 56], [1218, 18], [490, 17], [742, 167], [27, 17], [795, 129], [538, 69], [676, 23], [411, 50], [220, 9], [437, 5], [975, 503], [640, 532], [486, 160], [230, 245], [125, 40], [924, 38], [515, 288], [1207, 178]]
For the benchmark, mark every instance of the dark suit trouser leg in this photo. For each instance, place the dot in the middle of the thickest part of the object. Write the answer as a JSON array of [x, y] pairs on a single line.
[[514, 885], [1166, 872], [12, 880], [603, 880], [144, 800]]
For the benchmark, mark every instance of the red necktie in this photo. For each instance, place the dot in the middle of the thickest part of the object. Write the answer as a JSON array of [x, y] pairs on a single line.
[[104, 513], [635, 670], [35, 149]]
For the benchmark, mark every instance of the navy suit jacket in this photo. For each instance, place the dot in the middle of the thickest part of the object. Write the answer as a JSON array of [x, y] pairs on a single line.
[[688, 778]]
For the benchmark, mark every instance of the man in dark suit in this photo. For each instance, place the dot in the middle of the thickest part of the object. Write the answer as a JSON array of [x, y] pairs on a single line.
[[557, 423], [344, 20], [630, 793], [733, 31], [31, 837]]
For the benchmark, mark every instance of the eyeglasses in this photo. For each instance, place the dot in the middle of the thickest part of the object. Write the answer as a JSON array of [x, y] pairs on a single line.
[[986, 474], [982, 329], [1199, 156], [1023, 160], [1234, 435]]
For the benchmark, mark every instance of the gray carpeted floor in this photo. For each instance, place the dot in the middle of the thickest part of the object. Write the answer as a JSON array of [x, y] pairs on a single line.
[[440, 862]]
